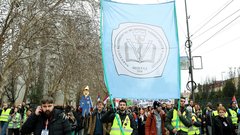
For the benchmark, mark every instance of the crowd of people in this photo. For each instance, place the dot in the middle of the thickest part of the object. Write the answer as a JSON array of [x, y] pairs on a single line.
[[159, 119]]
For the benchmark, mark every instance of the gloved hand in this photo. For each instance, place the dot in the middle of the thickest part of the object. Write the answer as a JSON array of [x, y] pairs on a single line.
[[80, 109]]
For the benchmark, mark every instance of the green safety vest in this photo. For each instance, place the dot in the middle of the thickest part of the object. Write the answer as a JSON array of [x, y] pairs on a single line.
[[233, 116], [5, 115], [15, 122], [215, 113], [181, 126], [25, 115], [115, 129], [193, 130]]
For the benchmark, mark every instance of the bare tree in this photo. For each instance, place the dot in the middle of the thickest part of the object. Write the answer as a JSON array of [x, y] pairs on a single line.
[[54, 43]]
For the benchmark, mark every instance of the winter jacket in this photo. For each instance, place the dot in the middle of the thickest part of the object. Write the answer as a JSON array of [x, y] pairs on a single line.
[[150, 126], [218, 126], [58, 125], [92, 123]]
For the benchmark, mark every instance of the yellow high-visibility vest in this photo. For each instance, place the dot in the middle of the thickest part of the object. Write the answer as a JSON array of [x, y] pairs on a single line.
[[15, 122], [215, 113], [193, 130], [5, 115], [181, 126], [115, 129], [233, 116]]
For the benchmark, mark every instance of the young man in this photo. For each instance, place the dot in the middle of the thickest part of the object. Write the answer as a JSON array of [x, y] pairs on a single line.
[[234, 115], [47, 120], [96, 127], [182, 116], [5, 113], [127, 123]]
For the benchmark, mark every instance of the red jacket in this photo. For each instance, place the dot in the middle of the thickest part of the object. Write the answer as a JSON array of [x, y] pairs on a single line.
[[150, 126]]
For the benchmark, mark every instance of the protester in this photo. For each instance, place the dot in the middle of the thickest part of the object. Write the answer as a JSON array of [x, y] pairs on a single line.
[[73, 122], [122, 120], [155, 121], [183, 117], [28, 114], [47, 120], [96, 127], [208, 118], [15, 123], [215, 112], [149, 110], [196, 123], [168, 107], [234, 115], [141, 121], [222, 125], [5, 113], [191, 104]]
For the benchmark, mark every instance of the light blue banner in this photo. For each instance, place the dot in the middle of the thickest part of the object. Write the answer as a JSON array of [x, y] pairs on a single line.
[[140, 50]]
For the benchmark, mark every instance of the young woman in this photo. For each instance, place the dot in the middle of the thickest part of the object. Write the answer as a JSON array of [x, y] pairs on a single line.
[[222, 125], [141, 121]]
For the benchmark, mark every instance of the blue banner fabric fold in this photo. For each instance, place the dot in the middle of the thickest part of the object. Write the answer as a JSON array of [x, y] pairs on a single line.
[[140, 50]]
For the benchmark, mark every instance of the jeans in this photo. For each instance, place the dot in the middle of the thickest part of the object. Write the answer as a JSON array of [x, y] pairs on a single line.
[[209, 130], [4, 126]]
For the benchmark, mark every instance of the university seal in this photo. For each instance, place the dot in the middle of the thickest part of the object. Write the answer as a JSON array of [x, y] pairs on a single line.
[[139, 50]]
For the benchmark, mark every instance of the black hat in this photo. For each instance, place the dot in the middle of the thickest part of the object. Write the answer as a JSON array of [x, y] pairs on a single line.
[[156, 104]]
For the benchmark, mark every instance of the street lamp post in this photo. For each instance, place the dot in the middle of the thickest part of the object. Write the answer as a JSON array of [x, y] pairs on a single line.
[[188, 44]]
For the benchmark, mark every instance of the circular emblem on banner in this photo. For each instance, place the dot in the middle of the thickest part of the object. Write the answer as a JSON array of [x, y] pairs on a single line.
[[139, 50]]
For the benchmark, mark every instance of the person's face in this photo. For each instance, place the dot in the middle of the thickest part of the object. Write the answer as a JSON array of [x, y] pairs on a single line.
[[169, 106], [47, 108], [122, 106], [141, 111], [99, 106], [182, 102], [159, 108], [191, 103], [221, 113], [196, 107], [5, 105], [234, 105], [15, 109], [28, 113]]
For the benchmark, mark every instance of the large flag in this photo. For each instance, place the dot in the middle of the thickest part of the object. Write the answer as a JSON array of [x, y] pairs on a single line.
[[140, 50]]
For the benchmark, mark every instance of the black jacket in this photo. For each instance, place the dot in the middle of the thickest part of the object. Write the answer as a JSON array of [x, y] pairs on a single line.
[[218, 128], [109, 117], [58, 125], [141, 125]]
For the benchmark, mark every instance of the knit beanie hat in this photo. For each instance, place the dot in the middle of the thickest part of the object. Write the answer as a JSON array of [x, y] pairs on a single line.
[[156, 104]]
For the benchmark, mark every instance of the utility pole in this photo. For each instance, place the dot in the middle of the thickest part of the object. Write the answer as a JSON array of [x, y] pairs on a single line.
[[188, 44]]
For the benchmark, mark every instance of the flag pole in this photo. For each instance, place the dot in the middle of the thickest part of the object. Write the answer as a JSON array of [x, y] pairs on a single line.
[[104, 71]]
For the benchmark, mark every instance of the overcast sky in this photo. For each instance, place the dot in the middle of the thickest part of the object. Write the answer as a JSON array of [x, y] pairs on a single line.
[[215, 33]]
